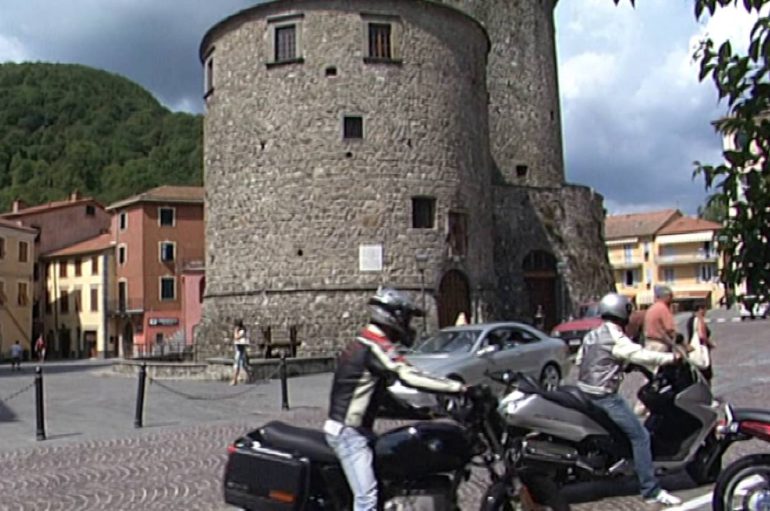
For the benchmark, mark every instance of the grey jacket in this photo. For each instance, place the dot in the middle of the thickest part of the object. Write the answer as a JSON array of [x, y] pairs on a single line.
[[604, 352]]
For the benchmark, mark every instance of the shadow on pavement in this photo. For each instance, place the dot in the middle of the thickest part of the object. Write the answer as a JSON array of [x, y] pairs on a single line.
[[620, 487], [6, 415], [28, 368], [61, 435]]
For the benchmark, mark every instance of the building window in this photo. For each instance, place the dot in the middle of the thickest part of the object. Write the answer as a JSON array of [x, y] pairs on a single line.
[[167, 288], [122, 295], [90, 210], [167, 251], [36, 271], [521, 170], [208, 78], [62, 269], [48, 304], [123, 221], [353, 127], [628, 253], [379, 41], [706, 273], [2, 248], [285, 43], [457, 235], [423, 212], [159, 338], [122, 254], [630, 278], [95, 265], [23, 251], [64, 302], [668, 275], [94, 299], [166, 217], [77, 299], [78, 264]]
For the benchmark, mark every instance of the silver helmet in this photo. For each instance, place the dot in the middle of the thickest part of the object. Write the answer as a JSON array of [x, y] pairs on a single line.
[[394, 310], [615, 307]]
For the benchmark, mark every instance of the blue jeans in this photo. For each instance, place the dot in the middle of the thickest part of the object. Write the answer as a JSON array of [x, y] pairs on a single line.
[[619, 411], [355, 455]]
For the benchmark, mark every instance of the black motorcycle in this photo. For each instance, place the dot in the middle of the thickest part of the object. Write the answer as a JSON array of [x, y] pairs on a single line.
[[419, 466], [745, 484]]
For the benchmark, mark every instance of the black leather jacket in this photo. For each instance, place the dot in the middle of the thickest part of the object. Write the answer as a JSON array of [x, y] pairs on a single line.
[[365, 368]]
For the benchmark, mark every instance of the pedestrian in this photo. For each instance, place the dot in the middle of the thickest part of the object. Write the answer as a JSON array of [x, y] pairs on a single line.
[[40, 348], [699, 337], [16, 353], [601, 360], [659, 326], [241, 342], [365, 368], [539, 319]]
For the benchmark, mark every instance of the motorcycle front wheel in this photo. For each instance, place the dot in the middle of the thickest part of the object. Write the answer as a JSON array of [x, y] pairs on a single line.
[[744, 485], [535, 494]]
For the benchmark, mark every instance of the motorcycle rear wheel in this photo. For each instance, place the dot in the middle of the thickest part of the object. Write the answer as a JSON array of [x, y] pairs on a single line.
[[744, 485]]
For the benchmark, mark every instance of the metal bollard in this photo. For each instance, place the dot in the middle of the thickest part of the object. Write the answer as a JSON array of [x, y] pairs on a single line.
[[39, 403], [284, 383], [140, 397]]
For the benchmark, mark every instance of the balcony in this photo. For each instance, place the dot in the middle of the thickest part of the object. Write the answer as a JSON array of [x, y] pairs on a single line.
[[125, 306], [624, 264], [696, 257]]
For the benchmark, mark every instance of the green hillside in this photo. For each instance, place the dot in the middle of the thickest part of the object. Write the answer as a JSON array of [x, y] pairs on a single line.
[[70, 127]]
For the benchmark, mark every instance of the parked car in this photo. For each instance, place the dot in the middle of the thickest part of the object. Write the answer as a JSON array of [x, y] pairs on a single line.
[[572, 332], [468, 353]]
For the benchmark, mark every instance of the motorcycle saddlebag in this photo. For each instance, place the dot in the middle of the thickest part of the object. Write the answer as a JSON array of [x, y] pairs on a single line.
[[265, 479]]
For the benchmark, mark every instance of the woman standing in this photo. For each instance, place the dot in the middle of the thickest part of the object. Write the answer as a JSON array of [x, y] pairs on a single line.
[[241, 341]]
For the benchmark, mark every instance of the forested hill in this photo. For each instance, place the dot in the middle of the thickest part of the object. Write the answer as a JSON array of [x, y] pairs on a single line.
[[69, 127]]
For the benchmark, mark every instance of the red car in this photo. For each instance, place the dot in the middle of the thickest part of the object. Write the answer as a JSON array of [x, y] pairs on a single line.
[[572, 332]]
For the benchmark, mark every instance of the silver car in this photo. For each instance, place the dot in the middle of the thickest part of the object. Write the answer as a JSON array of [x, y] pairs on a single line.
[[467, 353]]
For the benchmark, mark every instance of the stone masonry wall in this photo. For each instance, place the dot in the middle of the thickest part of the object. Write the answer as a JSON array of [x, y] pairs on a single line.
[[289, 201]]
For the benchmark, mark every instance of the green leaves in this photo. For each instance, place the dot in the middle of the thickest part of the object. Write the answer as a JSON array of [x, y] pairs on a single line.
[[66, 127]]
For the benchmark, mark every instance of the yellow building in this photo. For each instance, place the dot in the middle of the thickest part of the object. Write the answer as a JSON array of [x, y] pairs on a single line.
[[16, 274], [80, 283], [664, 247]]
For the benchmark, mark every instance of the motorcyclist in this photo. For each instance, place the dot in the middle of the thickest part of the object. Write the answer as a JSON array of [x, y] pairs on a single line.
[[601, 359], [365, 368]]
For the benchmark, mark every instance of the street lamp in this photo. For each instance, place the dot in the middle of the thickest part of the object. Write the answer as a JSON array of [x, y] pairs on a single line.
[[422, 262], [561, 266]]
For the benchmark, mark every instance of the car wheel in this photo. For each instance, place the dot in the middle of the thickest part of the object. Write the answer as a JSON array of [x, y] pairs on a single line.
[[550, 377]]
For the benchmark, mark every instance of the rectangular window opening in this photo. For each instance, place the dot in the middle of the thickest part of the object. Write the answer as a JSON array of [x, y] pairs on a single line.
[[285, 43], [166, 251], [166, 216], [423, 212], [23, 297], [123, 221], [167, 288], [23, 251], [94, 299], [353, 127], [379, 41]]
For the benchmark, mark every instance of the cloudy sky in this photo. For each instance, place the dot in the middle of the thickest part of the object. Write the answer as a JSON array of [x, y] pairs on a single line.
[[634, 115]]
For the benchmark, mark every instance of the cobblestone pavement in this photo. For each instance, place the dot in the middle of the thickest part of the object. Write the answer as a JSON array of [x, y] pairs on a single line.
[[97, 461]]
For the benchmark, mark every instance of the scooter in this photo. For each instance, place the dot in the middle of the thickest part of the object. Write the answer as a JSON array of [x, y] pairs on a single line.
[[419, 466], [563, 436], [745, 484]]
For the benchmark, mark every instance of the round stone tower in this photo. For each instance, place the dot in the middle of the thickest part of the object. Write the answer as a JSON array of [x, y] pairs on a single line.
[[524, 114], [346, 146]]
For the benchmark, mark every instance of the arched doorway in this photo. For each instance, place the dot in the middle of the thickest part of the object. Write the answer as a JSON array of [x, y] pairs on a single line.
[[540, 277], [454, 294]]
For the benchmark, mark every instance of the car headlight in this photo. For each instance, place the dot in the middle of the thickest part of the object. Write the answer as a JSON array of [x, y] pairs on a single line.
[[555, 334]]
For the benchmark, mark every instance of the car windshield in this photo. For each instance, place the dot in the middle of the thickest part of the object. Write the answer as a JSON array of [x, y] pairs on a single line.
[[449, 341]]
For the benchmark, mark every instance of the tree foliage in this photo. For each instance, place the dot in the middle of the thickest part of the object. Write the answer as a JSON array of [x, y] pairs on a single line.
[[69, 127], [742, 181]]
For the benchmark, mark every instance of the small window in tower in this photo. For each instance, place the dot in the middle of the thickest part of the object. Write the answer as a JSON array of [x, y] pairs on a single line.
[[379, 41], [285, 43], [521, 170], [208, 77], [353, 127], [90, 210], [423, 212]]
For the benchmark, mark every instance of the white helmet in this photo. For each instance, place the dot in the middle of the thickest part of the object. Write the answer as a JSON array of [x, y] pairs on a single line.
[[615, 307], [394, 310]]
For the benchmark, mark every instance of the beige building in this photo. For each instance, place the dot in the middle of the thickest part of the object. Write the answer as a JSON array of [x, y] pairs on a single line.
[[17, 260], [80, 283], [664, 247]]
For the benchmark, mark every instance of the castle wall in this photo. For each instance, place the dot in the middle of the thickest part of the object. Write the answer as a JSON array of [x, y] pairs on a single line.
[[524, 112], [289, 202]]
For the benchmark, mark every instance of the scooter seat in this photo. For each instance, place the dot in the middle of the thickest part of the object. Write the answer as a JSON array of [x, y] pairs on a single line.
[[298, 441], [571, 396], [751, 414]]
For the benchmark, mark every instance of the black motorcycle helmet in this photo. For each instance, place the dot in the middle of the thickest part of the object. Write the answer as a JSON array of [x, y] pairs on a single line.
[[392, 311]]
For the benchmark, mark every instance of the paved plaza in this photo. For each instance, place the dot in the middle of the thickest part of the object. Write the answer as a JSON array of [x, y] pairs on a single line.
[[94, 458]]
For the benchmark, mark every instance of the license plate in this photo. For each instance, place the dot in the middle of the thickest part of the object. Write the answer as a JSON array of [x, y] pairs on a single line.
[[575, 342]]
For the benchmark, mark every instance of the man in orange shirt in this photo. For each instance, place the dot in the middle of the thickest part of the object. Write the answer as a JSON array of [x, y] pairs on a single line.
[[659, 326]]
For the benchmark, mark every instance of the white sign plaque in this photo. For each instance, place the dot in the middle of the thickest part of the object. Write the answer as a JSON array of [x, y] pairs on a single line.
[[370, 258]]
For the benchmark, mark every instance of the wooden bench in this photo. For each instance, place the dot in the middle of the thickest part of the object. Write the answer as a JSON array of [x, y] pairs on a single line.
[[276, 341]]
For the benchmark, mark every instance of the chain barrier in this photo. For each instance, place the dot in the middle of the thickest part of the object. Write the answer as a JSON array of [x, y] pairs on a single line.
[[253, 385], [17, 393]]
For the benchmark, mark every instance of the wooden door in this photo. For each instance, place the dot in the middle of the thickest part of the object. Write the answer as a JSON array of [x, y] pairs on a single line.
[[541, 280], [454, 298]]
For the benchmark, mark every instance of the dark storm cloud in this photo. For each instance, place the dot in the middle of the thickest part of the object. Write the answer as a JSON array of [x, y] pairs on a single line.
[[152, 43]]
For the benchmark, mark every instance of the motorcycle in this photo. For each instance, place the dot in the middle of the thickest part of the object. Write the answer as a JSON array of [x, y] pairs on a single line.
[[419, 466], [745, 484], [564, 438]]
